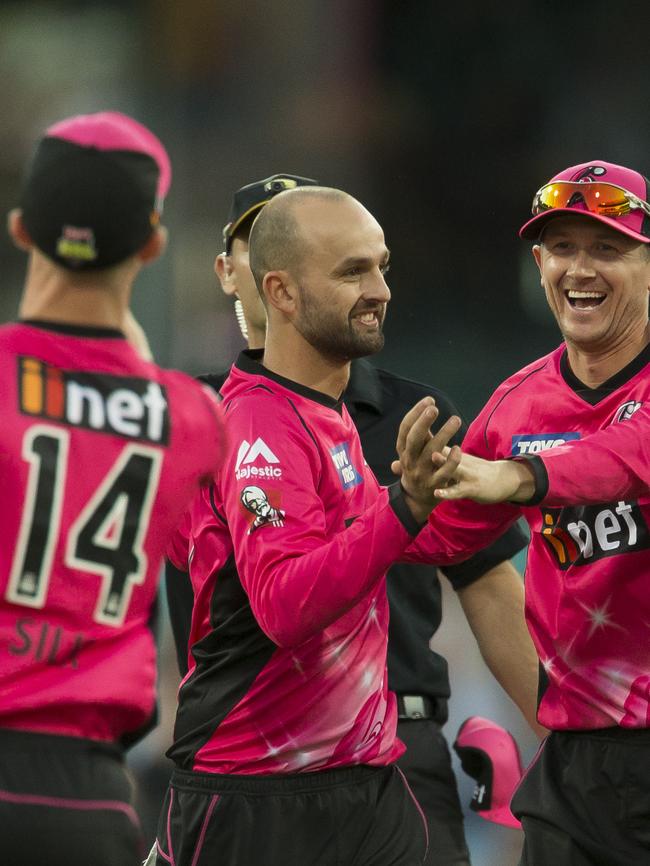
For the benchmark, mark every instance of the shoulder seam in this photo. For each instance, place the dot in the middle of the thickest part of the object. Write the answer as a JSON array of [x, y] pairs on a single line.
[[302, 421], [507, 393]]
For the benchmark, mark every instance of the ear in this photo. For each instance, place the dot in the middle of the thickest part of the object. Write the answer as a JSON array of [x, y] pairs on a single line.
[[155, 246], [280, 292], [537, 255], [17, 231], [223, 269]]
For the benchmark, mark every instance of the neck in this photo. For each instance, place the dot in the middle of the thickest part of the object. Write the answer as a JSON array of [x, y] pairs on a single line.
[[299, 361], [593, 366], [53, 294], [256, 337]]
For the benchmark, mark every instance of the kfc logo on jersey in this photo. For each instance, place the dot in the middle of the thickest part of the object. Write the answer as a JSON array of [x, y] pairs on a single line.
[[248, 454], [346, 471], [580, 535], [121, 405], [625, 412], [533, 443], [256, 502]]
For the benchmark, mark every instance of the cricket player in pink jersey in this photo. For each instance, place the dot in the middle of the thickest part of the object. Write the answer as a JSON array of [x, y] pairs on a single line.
[[586, 799], [285, 734], [96, 470]]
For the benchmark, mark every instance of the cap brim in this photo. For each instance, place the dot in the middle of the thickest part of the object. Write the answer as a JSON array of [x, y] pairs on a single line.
[[232, 227], [532, 230]]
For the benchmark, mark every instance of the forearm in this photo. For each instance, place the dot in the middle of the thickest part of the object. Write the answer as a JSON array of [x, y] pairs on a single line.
[[494, 607]]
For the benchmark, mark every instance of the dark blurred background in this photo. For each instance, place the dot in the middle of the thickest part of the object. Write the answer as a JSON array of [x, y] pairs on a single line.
[[443, 119]]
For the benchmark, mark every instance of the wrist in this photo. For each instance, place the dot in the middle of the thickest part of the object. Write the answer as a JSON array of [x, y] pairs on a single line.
[[523, 481], [418, 508]]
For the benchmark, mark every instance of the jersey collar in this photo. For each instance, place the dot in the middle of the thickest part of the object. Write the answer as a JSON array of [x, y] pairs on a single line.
[[73, 330], [595, 395], [250, 361]]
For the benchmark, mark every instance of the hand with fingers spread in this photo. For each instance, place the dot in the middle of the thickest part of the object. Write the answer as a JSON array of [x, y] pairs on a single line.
[[421, 464], [488, 481]]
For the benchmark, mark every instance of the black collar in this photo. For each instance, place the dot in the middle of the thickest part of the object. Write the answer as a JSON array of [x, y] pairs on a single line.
[[250, 361], [364, 386], [73, 330], [595, 395]]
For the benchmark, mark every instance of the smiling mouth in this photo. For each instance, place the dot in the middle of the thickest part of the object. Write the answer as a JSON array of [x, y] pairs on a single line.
[[369, 319], [584, 300]]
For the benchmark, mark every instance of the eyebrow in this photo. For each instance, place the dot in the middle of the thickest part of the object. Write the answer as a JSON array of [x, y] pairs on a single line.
[[360, 261]]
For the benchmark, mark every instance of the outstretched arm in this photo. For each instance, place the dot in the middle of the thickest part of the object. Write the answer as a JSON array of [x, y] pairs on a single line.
[[491, 481], [494, 607]]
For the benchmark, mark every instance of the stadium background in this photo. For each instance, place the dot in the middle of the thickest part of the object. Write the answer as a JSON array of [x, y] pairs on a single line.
[[442, 118]]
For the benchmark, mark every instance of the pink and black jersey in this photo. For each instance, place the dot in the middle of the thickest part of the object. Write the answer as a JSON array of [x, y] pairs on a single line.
[[587, 601], [98, 460], [289, 630]]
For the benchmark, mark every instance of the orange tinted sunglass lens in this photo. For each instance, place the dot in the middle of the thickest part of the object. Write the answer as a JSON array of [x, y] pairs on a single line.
[[600, 198]]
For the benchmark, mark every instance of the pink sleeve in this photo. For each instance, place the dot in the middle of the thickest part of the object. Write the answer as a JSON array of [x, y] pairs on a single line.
[[611, 464], [301, 567]]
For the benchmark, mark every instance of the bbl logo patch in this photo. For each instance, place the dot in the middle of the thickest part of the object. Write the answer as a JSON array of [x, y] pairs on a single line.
[[625, 412], [533, 443], [346, 471]]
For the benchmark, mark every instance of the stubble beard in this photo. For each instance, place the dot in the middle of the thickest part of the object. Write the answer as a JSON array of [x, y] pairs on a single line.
[[335, 340]]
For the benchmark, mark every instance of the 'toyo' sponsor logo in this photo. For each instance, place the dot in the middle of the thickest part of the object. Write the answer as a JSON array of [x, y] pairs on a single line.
[[122, 405], [533, 443], [248, 454], [582, 535]]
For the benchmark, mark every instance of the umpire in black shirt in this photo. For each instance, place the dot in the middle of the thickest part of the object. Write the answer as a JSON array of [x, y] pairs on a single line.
[[377, 401]]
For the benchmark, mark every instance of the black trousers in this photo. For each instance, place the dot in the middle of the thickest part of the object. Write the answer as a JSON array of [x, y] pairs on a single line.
[[427, 767], [357, 816], [585, 800], [65, 802]]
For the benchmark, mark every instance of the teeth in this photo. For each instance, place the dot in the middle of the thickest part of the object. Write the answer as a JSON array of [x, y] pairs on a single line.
[[572, 293]]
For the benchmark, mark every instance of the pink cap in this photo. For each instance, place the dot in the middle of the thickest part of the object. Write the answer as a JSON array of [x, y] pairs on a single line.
[[111, 130], [636, 223], [490, 755]]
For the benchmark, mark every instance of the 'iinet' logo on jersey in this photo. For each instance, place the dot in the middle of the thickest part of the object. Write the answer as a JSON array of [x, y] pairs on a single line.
[[122, 405], [249, 454], [533, 443], [580, 535]]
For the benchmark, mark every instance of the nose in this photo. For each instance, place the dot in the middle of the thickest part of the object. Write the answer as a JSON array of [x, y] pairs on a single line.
[[379, 290], [581, 266]]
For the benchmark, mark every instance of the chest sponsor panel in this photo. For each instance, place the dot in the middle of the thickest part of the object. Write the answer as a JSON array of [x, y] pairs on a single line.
[[128, 406], [580, 535], [533, 443]]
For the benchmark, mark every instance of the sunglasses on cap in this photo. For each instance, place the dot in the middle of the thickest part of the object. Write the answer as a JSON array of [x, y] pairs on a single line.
[[602, 199]]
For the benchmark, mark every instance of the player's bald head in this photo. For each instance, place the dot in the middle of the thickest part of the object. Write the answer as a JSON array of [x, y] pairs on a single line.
[[279, 239]]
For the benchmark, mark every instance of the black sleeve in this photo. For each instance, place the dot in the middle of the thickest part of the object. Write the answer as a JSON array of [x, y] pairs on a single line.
[[505, 547], [180, 601]]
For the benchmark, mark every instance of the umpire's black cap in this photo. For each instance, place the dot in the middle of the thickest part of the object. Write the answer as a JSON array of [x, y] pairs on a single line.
[[248, 200]]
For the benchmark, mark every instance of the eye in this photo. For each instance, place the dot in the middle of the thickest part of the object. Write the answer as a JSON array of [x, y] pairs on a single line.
[[385, 268], [604, 247]]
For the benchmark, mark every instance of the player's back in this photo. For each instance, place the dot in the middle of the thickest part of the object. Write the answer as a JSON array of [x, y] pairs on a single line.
[[100, 452]]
